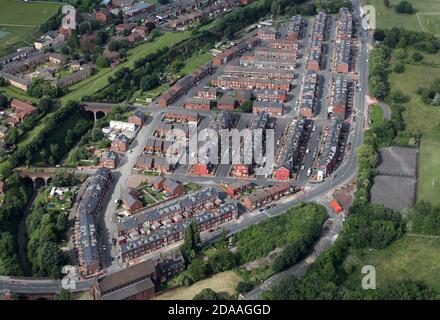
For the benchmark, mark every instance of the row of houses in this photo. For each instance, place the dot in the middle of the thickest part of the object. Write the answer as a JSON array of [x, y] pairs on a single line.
[[264, 196], [283, 44], [174, 210], [307, 107], [330, 150], [339, 98], [295, 28], [148, 162], [235, 51], [138, 281], [288, 155], [181, 115], [204, 14], [160, 147], [259, 121], [344, 27], [32, 60], [316, 49], [149, 230], [267, 62], [276, 53], [182, 86], [163, 129], [267, 34], [87, 252], [133, 248], [344, 31], [258, 73], [250, 84], [12, 71], [17, 55], [271, 108]]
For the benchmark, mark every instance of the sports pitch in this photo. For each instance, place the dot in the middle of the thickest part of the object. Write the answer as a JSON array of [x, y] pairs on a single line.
[[19, 19], [426, 18]]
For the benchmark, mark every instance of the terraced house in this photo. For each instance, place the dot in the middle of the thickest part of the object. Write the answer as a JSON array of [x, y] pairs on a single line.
[[308, 94], [339, 99], [183, 85], [87, 252], [329, 153], [288, 155], [149, 230]]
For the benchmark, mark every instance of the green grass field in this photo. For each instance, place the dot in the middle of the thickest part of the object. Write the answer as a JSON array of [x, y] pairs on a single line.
[[26, 13], [13, 92], [195, 61], [387, 17], [221, 282], [425, 119], [430, 22], [412, 257], [99, 80], [19, 19], [429, 171], [418, 116], [376, 116]]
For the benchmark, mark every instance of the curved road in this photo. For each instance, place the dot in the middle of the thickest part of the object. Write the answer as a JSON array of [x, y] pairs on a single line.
[[332, 228]]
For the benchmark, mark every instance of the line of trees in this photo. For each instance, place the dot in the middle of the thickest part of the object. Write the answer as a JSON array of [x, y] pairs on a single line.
[[396, 38], [295, 231], [12, 205], [47, 146], [378, 76]]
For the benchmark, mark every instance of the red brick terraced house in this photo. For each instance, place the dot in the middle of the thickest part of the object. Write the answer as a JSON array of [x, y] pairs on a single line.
[[265, 196]]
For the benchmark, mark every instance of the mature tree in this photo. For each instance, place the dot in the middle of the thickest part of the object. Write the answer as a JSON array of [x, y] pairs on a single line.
[[197, 270], [399, 68], [44, 105], [417, 56], [191, 240], [222, 260], [404, 7], [102, 62], [3, 101], [206, 294], [244, 287], [400, 53], [12, 136]]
